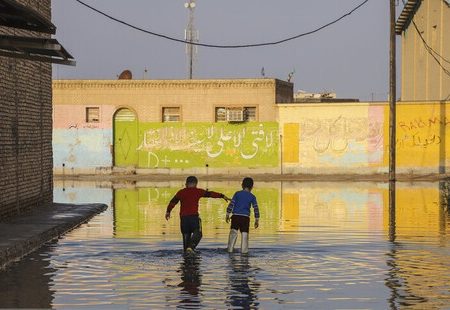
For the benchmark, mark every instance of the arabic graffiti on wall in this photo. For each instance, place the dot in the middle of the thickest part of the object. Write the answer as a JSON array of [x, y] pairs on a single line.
[[346, 139], [185, 145], [421, 135]]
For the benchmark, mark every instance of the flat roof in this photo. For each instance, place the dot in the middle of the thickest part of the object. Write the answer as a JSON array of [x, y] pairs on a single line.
[[14, 14], [165, 83], [406, 15]]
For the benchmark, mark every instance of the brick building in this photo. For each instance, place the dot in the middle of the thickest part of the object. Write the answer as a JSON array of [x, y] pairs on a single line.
[[26, 107], [168, 124]]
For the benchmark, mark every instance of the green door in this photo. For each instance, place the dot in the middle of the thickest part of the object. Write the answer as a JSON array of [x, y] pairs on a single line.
[[125, 138]]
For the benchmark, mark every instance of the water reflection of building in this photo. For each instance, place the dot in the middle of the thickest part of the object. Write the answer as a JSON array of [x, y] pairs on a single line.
[[27, 284], [87, 192], [290, 206], [417, 211], [331, 205], [140, 211], [416, 275]]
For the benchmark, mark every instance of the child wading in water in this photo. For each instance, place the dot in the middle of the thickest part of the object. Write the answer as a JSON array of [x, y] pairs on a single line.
[[191, 224], [240, 220]]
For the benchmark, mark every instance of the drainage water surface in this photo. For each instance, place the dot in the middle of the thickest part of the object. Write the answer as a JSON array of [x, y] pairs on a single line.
[[319, 246]]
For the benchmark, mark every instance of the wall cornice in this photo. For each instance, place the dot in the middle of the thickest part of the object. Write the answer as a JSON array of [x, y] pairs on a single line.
[[162, 84]]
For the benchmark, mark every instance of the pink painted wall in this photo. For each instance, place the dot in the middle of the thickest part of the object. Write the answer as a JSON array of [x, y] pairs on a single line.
[[74, 116]]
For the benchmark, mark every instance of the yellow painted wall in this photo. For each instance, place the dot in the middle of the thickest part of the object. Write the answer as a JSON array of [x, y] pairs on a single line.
[[339, 137], [291, 141], [423, 135], [417, 211]]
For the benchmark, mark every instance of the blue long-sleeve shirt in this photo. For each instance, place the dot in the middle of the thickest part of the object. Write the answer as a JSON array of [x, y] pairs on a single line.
[[241, 202]]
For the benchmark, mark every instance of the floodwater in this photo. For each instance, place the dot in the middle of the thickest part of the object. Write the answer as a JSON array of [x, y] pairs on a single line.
[[319, 246]]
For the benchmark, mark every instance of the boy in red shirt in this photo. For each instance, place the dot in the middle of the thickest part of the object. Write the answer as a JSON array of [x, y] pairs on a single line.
[[191, 224]]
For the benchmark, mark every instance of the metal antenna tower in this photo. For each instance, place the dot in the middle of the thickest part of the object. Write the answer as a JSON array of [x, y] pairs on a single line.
[[191, 35]]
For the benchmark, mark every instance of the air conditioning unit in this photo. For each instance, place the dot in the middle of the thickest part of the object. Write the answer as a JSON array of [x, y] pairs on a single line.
[[235, 115]]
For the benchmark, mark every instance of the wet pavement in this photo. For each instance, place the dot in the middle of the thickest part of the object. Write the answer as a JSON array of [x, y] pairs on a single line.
[[319, 246], [24, 234]]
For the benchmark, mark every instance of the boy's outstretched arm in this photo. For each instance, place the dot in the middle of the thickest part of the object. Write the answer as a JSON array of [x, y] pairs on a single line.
[[173, 202], [211, 194], [256, 210]]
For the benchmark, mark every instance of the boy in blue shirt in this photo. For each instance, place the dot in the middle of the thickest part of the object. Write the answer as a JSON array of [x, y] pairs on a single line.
[[239, 212]]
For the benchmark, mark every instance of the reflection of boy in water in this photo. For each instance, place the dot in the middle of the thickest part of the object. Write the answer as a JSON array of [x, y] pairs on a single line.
[[242, 293], [240, 207], [191, 224], [191, 280]]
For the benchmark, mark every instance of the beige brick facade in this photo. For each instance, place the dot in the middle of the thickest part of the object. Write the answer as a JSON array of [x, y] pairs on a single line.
[[25, 128], [197, 99]]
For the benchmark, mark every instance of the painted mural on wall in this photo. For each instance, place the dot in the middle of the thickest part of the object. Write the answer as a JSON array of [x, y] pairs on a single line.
[[341, 138], [82, 148], [186, 145], [358, 136], [421, 135]]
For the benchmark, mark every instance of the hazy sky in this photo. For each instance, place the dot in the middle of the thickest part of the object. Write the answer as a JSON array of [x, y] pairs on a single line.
[[349, 58]]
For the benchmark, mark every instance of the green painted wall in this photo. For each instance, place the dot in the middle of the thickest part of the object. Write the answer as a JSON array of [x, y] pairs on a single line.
[[188, 145]]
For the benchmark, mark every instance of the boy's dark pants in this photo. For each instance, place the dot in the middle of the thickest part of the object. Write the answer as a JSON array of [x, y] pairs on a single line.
[[191, 229]]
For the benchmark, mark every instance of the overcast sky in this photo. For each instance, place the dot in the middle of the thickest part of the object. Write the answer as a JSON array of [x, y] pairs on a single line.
[[349, 58]]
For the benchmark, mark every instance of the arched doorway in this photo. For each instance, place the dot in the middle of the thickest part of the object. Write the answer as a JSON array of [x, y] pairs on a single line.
[[125, 138]]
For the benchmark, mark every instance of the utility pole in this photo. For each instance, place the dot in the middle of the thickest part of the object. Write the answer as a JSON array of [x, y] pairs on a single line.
[[392, 118], [191, 36]]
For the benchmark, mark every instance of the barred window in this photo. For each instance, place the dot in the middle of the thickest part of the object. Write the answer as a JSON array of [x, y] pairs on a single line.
[[171, 114], [250, 114], [221, 114], [92, 115], [235, 114]]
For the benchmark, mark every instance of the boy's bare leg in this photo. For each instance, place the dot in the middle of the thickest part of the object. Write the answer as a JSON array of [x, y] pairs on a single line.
[[232, 240]]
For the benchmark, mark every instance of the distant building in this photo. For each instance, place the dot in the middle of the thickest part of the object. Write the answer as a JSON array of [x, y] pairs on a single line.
[[422, 77], [301, 94], [167, 124], [240, 126], [308, 97]]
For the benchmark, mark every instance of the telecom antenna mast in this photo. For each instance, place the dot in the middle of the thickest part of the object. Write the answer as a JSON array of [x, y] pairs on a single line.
[[191, 35]]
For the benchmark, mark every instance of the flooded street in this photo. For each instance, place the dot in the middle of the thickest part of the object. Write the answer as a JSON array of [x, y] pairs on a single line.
[[319, 246]]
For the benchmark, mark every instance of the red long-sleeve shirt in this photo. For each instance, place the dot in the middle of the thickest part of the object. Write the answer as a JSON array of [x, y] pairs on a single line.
[[189, 198]]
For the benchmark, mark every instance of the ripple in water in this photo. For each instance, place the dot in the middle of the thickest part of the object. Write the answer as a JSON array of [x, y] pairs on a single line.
[[317, 256]]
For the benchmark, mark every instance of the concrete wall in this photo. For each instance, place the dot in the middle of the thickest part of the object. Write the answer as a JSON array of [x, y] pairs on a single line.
[[316, 138], [422, 77], [353, 137], [146, 142], [25, 128]]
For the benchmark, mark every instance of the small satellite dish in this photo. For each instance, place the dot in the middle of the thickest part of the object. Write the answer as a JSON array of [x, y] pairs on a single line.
[[126, 75], [192, 4], [186, 5]]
